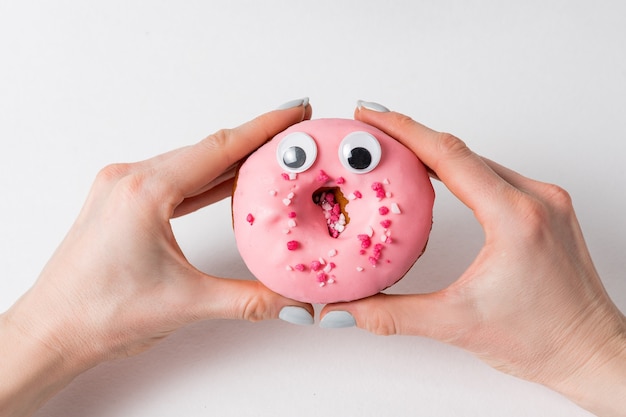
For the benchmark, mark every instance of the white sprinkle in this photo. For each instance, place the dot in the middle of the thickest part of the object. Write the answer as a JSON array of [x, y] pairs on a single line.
[[383, 239], [351, 196], [386, 181], [290, 195], [291, 223], [370, 231], [327, 268], [288, 268], [332, 253], [286, 201], [322, 261], [359, 268], [286, 231], [322, 284], [273, 193], [331, 281], [293, 176], [388, 194], [340, 227], [395, 209]]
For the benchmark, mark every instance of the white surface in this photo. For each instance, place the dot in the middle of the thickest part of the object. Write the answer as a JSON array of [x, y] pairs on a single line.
[[539, 86]]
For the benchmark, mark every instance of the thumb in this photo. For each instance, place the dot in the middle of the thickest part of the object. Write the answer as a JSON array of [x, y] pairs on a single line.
[[221, 298], [431, 315]]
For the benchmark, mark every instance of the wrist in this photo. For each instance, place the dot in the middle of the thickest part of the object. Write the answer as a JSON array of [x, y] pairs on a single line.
[[35, 365], [598, 383]]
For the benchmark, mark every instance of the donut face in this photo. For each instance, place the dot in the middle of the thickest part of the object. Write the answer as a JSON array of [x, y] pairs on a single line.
[[331, 210]]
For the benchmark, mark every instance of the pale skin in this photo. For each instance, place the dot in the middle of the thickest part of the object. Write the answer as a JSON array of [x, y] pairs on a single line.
[[531, 304]]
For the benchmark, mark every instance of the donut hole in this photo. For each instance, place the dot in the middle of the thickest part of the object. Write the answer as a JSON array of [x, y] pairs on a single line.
[[333, 205]]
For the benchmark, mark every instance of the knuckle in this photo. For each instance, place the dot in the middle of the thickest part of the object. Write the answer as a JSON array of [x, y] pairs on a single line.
[[113, 172], [557, 197], [218, 140], [381, 322], [451, 146]]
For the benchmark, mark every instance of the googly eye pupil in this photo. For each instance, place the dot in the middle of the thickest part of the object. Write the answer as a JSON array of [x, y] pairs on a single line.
[[294, 157], [360, 158]]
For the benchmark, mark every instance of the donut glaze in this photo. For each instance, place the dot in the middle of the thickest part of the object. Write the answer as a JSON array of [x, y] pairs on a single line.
[[294, 194]]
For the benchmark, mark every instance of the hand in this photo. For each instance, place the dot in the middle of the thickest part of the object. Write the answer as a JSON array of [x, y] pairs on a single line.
[[119, 283], [532, 303]]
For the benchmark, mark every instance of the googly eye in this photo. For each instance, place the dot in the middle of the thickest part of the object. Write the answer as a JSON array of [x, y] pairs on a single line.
[[296, 152], [359, 152]]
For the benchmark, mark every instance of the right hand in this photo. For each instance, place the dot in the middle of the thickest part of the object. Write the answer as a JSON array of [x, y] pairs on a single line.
[[531, 304]]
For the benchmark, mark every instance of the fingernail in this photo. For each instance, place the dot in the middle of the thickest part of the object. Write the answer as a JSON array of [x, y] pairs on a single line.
[[294, 103], [296, 315], [337, 320], [370, 105]]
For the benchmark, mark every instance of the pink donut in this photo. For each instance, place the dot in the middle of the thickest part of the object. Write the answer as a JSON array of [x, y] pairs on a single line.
[[331, 210]]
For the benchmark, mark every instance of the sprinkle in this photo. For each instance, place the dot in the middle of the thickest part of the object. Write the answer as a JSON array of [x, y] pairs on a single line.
[[292, 214], [365, 241], [340, 180], [293, 245], [395, 209], [291, 223], [293, 176], [332, 253], [388, 194], [288, 268], [386, 181], [358, 194], [291, 196], [286, 231], [273, 193], [359, 268], [285, 176], [322, 176], [322, 261], [385, 223], [327, 268], [351, 196], [322, 277], [316, 265], [380, 191], [322, 284], [370, 231], [300, 267], [250, 218], [331, 280], [383, 210], [286, 201]]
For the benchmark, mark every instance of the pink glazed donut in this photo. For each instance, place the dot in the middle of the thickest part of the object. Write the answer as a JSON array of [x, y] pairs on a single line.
[[331, 210]]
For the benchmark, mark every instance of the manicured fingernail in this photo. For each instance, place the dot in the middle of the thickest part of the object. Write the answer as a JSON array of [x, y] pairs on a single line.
[[337, 320], [370, 105], [294, 103], [296, 315]]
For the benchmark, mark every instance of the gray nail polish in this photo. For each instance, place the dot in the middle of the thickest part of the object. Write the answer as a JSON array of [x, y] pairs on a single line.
[[370, 105], [337, 320], [294, 103], [296, 315]]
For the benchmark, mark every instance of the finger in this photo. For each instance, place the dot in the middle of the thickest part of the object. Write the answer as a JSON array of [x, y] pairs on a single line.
[[195, 166], [430, 315], [215, 194], [219, 298], [461, 170]]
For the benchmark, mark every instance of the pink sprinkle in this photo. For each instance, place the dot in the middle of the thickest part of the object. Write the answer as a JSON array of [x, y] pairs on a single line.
[[340, 180], [373, 260], [358, 194], [329, 197], [383, 210], [292, 214], [377, 186], [293, 245], [322, 176], [322, 277], [250, 218], [365, 241], [285, 176], [332, 265], [385, 223], [300, 267], [362, 252], [316, 265]]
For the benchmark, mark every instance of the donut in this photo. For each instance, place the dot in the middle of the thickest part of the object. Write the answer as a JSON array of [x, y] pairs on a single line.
[[331, 210]]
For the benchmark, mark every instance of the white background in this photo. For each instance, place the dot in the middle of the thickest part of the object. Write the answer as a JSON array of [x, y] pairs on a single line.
[[539, 86]]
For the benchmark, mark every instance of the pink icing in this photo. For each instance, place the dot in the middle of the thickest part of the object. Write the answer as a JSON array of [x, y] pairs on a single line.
[[378, 244]]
